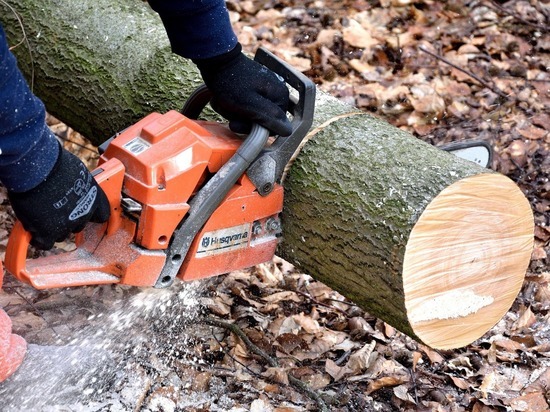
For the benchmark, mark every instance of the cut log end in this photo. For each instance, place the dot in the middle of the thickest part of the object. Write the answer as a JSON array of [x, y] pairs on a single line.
[[466, 259]]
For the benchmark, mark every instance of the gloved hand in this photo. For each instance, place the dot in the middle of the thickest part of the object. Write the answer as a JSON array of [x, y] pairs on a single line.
[[64, 202], [246, 92]]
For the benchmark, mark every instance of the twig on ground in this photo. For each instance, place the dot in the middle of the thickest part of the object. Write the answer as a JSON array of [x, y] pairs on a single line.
[[469, 73], [297, 383], [253, 373], [238, 331], [414, 385], [510, 13], [35, 310], [143, 395], [326, 305]]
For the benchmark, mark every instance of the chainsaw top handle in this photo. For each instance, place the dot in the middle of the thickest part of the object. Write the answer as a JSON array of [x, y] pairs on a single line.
[[269, 166]]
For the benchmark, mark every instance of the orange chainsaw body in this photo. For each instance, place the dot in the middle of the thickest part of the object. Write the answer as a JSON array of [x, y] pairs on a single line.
[[188, 199], [150, 171]]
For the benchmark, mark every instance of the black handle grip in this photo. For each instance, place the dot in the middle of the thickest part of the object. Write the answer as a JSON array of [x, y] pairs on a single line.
[[196, 102]]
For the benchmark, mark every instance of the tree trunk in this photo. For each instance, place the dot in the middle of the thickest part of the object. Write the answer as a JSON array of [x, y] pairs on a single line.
[[434, 245]]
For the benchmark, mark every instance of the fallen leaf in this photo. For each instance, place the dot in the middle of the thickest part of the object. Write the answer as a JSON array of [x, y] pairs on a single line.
[[268, 16], [517, 151], [385, 382], [261, 405], [508, 344], [327, 37], [268, 274], [434, 356], [357, 36], [279, 375], [217, 306], [533, 133], [487, 384], [287, 325], [359, 327], [417, 357], [382, 366], [525, 321], [290, 341], [542, 233], [425, 100], [308, 324], [281, 296], [346, 345], [539, 252], [201, 381], [402, 392], [360, 360], [530, 402], [460, 383], [317, 381], [337, 372], [542, 120], [469, 49], [320, 291]]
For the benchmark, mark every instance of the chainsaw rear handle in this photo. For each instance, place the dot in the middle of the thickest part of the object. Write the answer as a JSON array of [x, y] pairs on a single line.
[[109, 177], [270, 164]]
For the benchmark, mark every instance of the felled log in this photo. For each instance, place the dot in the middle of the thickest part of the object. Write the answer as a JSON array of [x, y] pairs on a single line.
[[434, 245]]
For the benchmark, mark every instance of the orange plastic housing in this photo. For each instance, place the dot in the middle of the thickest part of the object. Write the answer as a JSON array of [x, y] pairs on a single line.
[[244, 231], [155, 167]]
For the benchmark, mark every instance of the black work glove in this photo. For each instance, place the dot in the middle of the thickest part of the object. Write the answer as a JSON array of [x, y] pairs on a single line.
[[246, 92], [64, 202]]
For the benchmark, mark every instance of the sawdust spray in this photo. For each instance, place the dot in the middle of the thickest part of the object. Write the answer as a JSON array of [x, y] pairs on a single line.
[[139, 341]]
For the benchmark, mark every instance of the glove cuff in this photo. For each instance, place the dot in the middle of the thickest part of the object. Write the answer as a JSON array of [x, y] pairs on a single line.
[[218, 63], [52, 154]]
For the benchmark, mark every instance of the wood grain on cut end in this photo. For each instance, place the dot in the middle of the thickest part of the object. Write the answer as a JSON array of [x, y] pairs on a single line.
[[465, 260]]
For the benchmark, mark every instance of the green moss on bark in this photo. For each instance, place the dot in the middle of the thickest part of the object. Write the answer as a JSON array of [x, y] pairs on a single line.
[[99, 65]]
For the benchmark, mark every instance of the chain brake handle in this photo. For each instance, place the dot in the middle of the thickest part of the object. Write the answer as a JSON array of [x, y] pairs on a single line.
[[268, 168]]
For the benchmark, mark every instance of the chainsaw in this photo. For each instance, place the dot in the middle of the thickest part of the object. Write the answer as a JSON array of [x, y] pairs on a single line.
[[188, 199]]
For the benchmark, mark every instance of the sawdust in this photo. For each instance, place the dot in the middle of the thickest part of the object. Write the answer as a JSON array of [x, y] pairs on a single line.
[[115, 355], [450, 305]]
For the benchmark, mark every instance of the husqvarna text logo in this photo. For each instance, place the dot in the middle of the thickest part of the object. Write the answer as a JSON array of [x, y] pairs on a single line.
[[224, 240]]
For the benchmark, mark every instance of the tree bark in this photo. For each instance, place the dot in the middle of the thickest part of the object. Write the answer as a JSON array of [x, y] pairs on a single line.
[[434, 245]]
